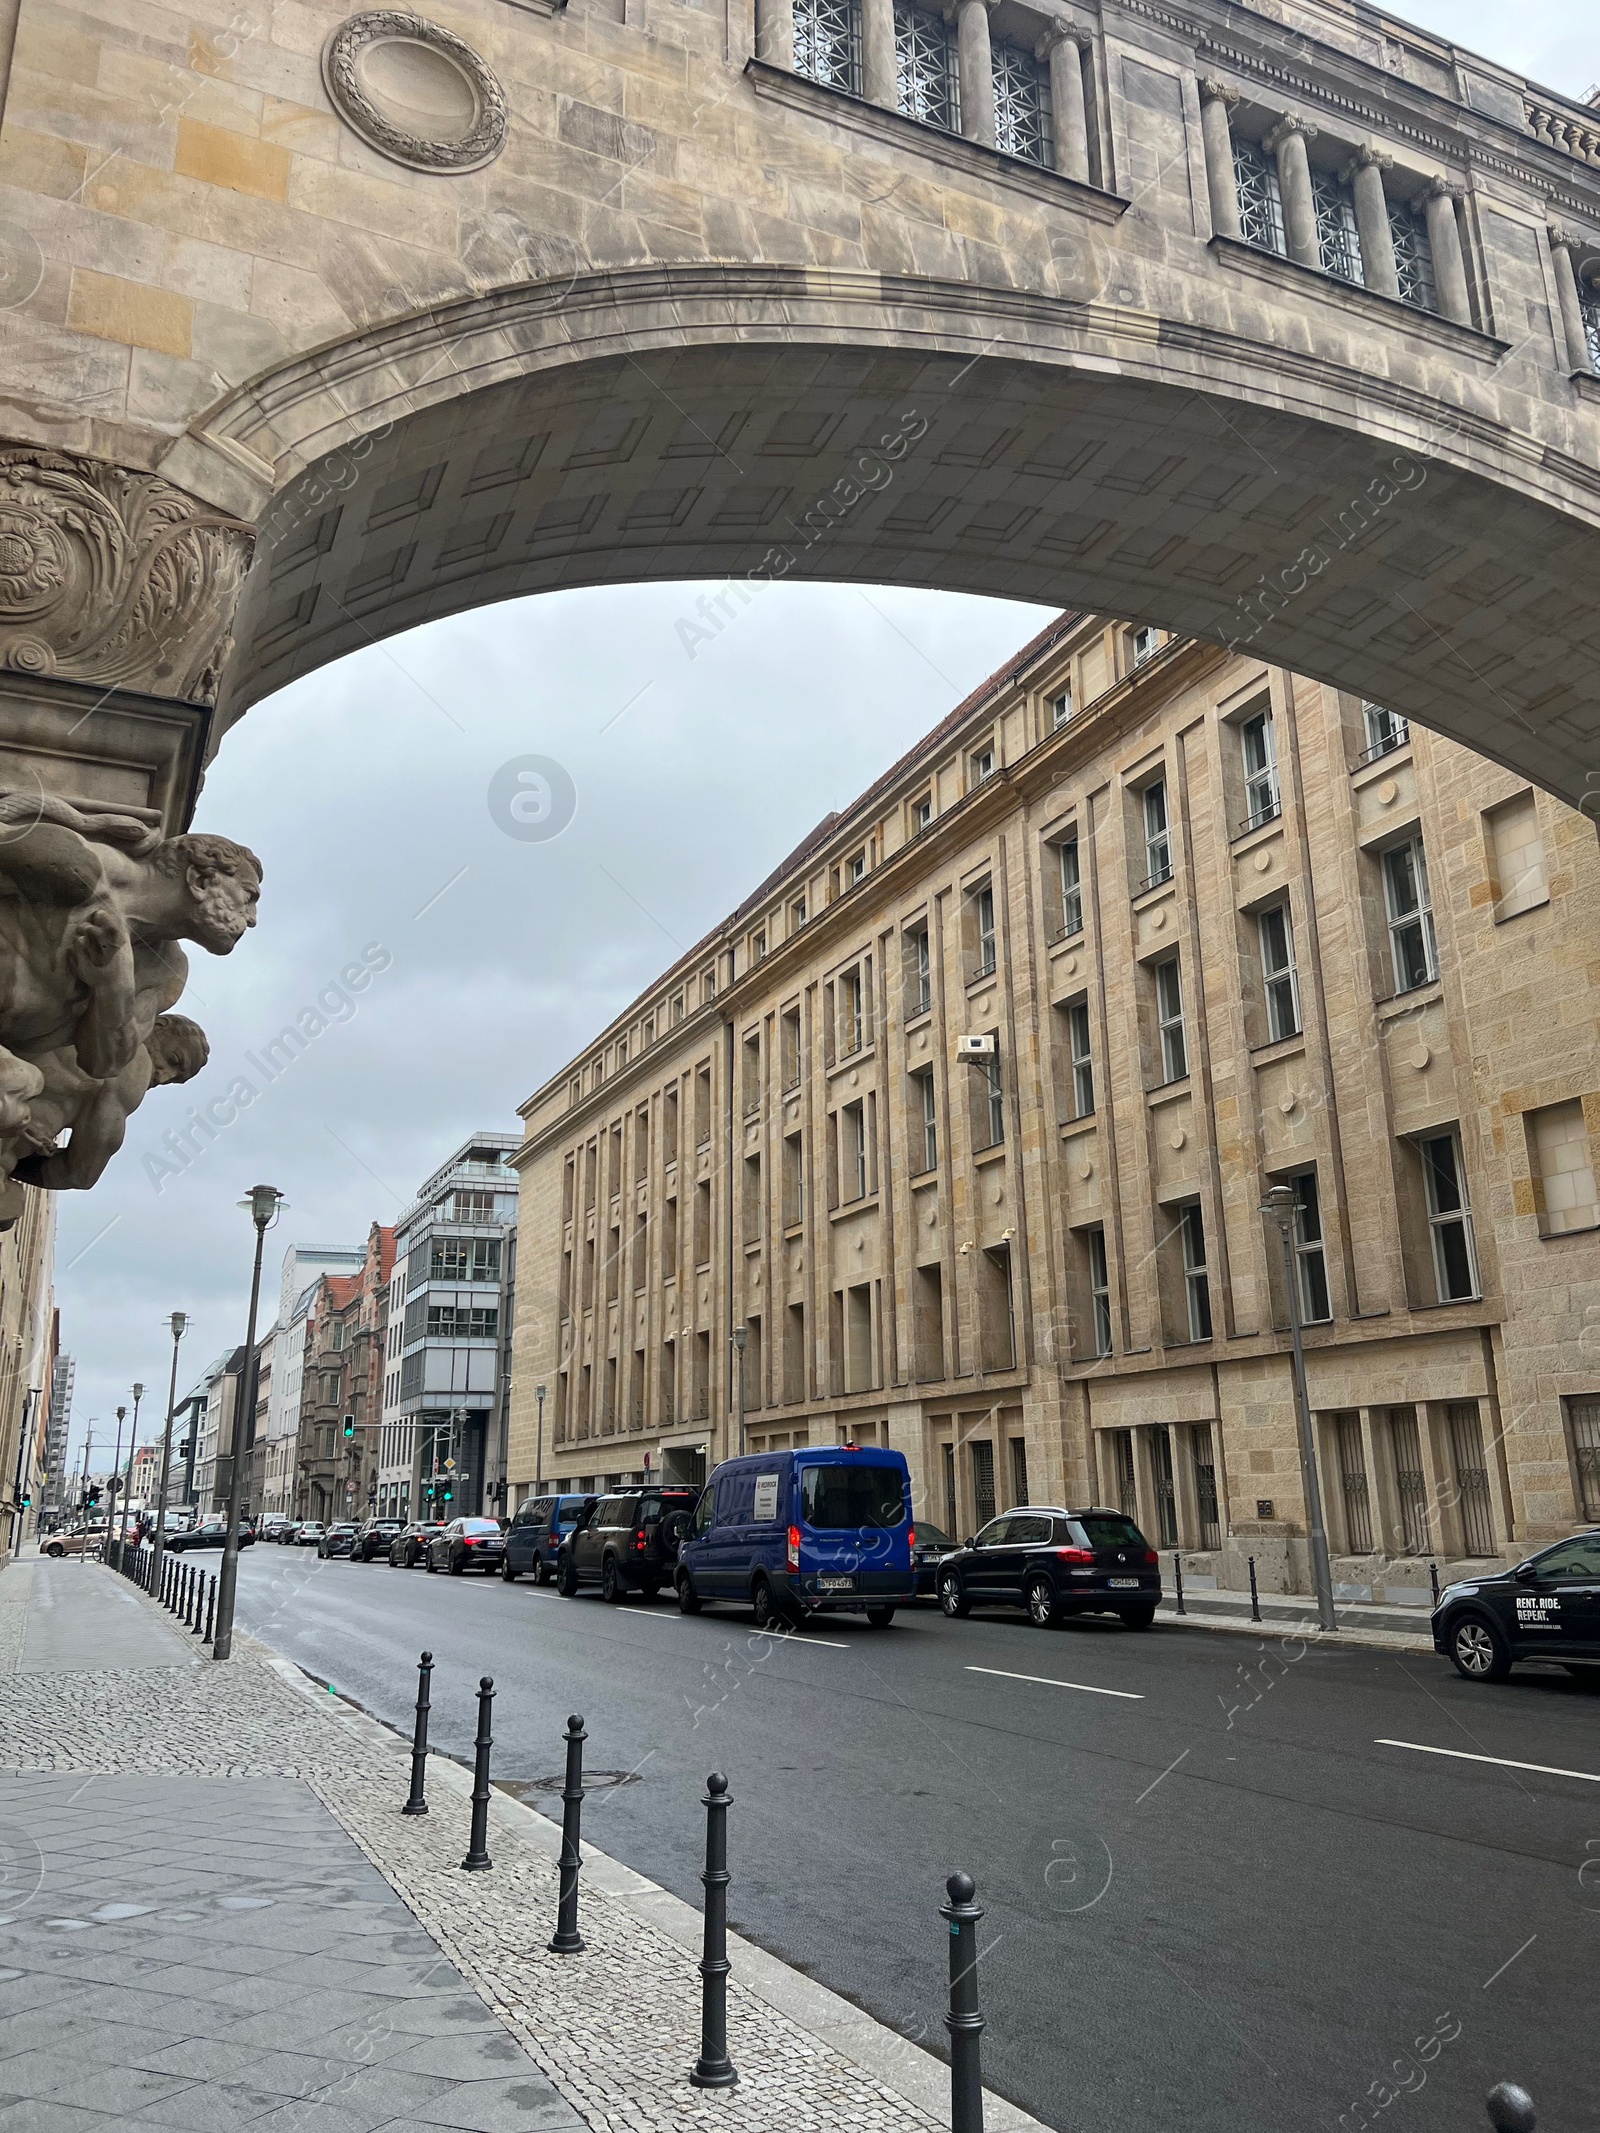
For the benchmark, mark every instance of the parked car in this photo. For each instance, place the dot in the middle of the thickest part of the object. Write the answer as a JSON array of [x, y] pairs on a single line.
[[74, 1542], [271, 1524], [410, 1544], [797, 1533], [627, 1543], [533, 1540], [209, 1533], [928, 1551], [1054, 1563], [467, 1544], [374, 1539], [339, 1539], [309, 1532], [1548, 1607]]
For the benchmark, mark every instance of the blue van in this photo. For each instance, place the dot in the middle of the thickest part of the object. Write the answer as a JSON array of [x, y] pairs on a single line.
[[535, 1535], [827, 1529]]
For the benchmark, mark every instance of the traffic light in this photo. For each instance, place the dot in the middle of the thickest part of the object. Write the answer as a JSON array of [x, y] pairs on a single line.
[[27, 1499], [93, 1497], [448, 1492], [349, 1427]]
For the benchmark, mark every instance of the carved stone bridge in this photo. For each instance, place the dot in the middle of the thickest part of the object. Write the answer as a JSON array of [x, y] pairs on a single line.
[[1267, 321]]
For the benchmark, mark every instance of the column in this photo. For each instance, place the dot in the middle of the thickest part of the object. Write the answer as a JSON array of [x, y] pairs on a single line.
[[1287, 141], [775, 33], [1216, 100], [1438, 203], [1561, 244], [975, 70], [879, 76], [1063, 46], [1364, 175]]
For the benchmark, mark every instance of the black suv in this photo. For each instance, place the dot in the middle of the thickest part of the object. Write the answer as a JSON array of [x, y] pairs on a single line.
[[628, 1543], [1056, 1563], [1547, 1608]]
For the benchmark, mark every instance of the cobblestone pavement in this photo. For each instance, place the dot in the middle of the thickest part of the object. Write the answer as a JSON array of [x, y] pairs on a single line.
[[248, 1777]]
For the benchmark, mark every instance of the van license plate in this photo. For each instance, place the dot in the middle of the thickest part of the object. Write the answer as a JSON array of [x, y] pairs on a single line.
[[836, 1584], [1118, 1584]]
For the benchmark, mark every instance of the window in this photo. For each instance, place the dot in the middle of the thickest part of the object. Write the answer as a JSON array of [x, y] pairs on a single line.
[[1019, 1470], [847, 1498], [1338, 240], [853, 1152], [1260, 202], [794, 1205], [1078, 1049], [925, 67], [856, 868], [921, 814], [1413, 946], [1021, 104], [1589, 307], [1260, 771], [1413, 255], [1472, 1476], [1196, 1281], [1061, 706], [997, 1347], [1410, 1480], [1385, 730], [1565, 1193], [827, 42], [924, 1107], [1517, 854], [982, 1464], [983, 918], [1353, 1490], [995, 1109], [1161, 1482], [1146, 644], [797, 914], [851, 1024], [1125, 1487], [1310, 1258], [758, 948], [1099, 1290], [1071, 889], [1205, 1485], [464, 1259], [1449, 1218], [980, 767], [918, 971], [1169, 1019], [463, 1322], [1157, 836], [1583, 1427], [1280, 981], [790, 1038]]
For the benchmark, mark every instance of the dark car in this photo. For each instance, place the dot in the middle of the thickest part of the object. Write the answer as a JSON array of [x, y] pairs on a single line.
[[210, 1533], [1055, 1563], [338, 1540], [628, 1543], [1546, 1608], [374, 1539], [410, 1544], [467, 1544], [533, 1542], [928, 1551]]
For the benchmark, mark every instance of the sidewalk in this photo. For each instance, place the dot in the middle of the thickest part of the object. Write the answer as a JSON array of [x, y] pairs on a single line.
[[212, 1911], [1385, 1628]]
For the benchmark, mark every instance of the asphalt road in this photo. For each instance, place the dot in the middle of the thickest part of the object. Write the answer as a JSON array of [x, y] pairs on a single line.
[[1216, 1901]]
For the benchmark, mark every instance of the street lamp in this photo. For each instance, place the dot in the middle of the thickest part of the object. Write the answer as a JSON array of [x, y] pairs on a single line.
[[116, 1476], [538, 1464], [179, 1323], [1282, 1207], [264, 1202], [739, 1336], [133, 1442]]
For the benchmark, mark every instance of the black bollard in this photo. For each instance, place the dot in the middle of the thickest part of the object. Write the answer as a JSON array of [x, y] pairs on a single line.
[[568, 1940], [1511, 2109], [417, 1804], [1433, 1580], [211, 1609], [714, 2069], [188, 1589], [1255, 1597], [199, 1622], [964, 2022], [1177, 1571], [477, 1860]]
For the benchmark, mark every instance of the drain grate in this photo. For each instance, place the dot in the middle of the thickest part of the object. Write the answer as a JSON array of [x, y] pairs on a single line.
[[551, 1787]]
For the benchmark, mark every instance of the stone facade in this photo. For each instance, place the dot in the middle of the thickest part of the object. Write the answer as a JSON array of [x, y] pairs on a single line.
[[27, 1352], [342, 1375], [966, 1118]]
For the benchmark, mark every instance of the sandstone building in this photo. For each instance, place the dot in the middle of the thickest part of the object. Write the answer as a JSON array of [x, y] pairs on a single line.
[[964, 1120]]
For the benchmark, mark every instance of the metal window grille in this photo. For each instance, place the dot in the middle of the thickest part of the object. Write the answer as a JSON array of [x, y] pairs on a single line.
[[1166, 1494], [1353, 1484], [1019, 1470], [1472, 1476], [950, 1518], [1260, 202], [1196, 1280], [1122, 1459], [1021, 104], [1205, 1486], [925, 68], [1413, 256], [1278, 973], [1338, 240], [1583, 1419], [1386, 731], [827, 42], [983, 1481], [1411, 1483], [1589, 306]]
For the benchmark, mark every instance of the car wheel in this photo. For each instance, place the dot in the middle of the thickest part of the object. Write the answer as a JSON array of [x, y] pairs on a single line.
[[689, 1601], [1040, 1601], [612, 1589], [541, 1571], [427, 1562], [765, 1602], [1137, 1617], [953, 1602], [1478, 1651], [880, 1617], [58, 1551], [567, 1578], [507, 1572], [458, 1566]]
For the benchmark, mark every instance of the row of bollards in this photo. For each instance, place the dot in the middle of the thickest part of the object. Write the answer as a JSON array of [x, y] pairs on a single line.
[[187, 1592]]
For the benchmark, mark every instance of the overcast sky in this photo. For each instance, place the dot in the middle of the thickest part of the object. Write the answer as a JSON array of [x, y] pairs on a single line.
[[365, 792]]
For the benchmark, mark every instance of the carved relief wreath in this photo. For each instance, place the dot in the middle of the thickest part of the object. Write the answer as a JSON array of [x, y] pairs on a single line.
[[414, 91]]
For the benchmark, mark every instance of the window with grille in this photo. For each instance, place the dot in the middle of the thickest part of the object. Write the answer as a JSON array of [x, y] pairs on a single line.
[[1413, 256], [1338, 240], [1455, 1264], [1280, 979], [1170, 1022], [1157, 836], [1583, 1425], [1082, 1059], [1099, 1290], [1019, 1470], [1353, 1488], [1196, 1280], [1413, 945], [1126, 1487], [1260, 751], [925, 68], [1410, 1481], [1205, 1486], [952, 1522], [982, 1458], [1260, 202], [1386, 731], [827, 42], [1589, 307], [1071, 889], [1166, 1494], [1472, 1476], [1021, 104]]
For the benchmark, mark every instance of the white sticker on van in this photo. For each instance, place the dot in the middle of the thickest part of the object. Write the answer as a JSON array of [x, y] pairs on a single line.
[[766, 1505]]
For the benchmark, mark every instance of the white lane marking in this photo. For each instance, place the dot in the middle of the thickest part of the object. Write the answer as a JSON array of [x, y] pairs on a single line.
[[1510, 1959], [1150, 1788], [789, 1636], [1501, 1762], [1049, 1682]]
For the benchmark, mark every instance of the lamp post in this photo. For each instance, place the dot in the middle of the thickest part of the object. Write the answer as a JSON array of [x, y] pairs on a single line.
[[133, 1442], [179, 1323], [538, 1464], [1281, 1207], [264, 1202], [116, 1476], [739, 1336]]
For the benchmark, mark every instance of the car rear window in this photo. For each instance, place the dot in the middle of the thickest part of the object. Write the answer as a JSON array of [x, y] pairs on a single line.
[[1104, 1531], [480, 1525], [842, 1497], [652, 1508]]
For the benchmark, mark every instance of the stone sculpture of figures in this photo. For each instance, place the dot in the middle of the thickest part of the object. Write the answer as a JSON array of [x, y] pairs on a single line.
[[93, 903]]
